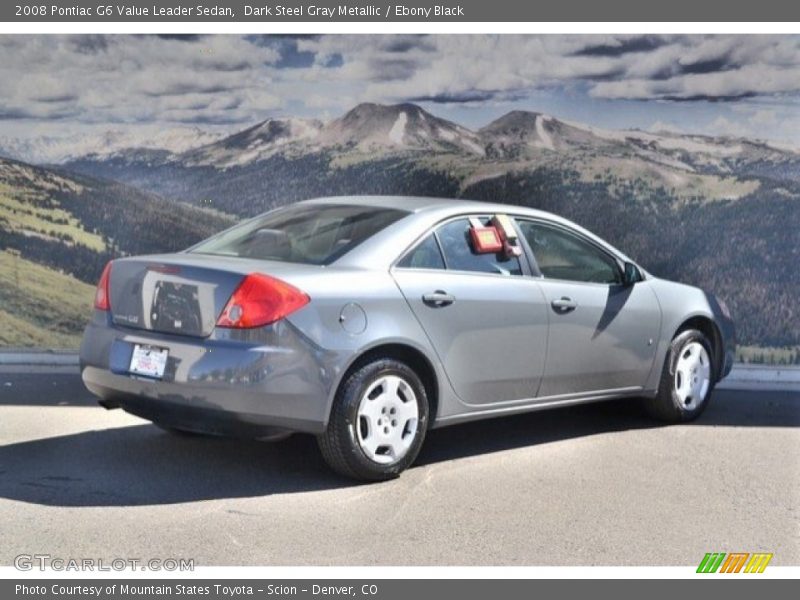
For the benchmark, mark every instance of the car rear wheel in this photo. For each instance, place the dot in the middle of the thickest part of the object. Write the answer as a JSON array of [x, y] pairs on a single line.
[[686, 380], [377, 423]]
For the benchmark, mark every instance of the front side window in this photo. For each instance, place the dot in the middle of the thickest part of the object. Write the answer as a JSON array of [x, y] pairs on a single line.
[[303, 233], [459, 255], [563, 255]]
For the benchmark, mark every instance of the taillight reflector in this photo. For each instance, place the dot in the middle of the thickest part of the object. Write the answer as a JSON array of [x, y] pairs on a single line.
[[102, 298], [260, 300]]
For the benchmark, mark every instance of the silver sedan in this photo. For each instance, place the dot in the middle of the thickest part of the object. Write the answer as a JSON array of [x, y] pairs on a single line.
[[367, 321]]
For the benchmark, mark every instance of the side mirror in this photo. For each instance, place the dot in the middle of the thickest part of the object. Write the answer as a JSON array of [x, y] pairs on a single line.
[[631, 274]]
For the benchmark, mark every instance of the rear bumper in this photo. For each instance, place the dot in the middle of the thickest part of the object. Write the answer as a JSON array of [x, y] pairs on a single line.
[[268, 379], [232, 413]]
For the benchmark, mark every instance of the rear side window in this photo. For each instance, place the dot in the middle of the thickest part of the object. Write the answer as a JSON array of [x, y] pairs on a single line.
[[459, 255], [563, 255], [315, 234], [426, 255]]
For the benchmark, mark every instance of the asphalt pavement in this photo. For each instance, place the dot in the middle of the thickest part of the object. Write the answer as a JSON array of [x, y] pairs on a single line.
[[592, 485]]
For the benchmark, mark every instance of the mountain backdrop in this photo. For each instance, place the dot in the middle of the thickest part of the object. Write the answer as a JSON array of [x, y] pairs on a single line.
[[722, 213]]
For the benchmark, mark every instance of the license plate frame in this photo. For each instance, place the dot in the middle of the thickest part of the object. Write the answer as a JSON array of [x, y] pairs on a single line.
[[148, 361]]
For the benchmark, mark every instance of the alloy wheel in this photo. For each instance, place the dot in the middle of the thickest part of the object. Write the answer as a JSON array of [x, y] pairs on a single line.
[[388, 415], [692, 375]]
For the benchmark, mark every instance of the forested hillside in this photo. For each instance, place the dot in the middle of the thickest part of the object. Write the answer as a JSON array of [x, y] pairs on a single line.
[[57, 231]]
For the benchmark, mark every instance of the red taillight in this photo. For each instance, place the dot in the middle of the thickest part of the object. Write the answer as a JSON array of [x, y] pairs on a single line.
[[102, 299], [260, 300]]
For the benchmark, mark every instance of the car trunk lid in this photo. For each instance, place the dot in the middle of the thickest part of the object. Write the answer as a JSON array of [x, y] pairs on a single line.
[[181, 294]]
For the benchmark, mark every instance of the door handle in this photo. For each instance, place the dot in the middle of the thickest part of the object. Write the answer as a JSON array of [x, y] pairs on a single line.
[[564, 305], [438, 299]]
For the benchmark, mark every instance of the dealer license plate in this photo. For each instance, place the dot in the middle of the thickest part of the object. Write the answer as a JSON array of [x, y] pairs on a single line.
[[149, 361]]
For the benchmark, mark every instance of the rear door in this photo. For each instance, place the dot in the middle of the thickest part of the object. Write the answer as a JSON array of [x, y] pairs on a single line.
[[602, 334], [487, 322]]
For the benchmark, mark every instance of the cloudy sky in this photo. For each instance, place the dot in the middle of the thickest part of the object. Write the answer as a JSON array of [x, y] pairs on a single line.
[[68, 85]]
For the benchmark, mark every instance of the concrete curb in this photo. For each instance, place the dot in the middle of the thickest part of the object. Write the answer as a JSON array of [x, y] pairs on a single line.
[[762, 377], [742, 377], [24, 358]]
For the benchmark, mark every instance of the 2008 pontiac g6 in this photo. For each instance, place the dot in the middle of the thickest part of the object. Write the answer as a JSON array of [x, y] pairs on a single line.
[[368, 321]]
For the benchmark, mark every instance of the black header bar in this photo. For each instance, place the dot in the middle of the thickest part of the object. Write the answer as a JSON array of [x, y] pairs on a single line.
[[284, 11]]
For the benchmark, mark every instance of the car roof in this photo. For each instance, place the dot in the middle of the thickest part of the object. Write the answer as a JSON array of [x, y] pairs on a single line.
[[418, 204]]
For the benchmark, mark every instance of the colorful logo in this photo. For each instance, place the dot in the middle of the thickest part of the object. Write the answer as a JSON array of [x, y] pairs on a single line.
[[735, 562]]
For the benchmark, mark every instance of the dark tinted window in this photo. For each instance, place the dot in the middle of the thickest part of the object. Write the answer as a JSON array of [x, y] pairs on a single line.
[[425, 256], [562, 255], [312, 234], [457, 247]]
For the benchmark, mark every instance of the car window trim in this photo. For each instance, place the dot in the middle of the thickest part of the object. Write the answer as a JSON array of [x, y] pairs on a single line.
[[558, 226], [435, 235], [530, 259]]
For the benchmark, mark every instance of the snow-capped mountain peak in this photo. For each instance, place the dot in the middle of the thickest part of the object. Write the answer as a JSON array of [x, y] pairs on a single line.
[[371, 130], [523, 131], [255, 143], [398, 127]]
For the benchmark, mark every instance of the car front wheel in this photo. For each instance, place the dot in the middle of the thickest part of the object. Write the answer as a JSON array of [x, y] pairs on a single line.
[[686, 380], [377, 423]]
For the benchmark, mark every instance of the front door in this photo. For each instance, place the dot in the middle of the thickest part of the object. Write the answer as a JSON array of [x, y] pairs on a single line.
[[602, 334]]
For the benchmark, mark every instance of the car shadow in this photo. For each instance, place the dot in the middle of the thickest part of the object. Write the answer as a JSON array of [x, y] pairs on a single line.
[[141, 465], [615, 301], [727, 408]]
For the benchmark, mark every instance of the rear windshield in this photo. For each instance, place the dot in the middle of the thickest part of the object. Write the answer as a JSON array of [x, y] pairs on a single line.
[[309, 234]]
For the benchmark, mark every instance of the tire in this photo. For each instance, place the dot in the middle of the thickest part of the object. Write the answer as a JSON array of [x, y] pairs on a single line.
[[378, 422], [687, 379]]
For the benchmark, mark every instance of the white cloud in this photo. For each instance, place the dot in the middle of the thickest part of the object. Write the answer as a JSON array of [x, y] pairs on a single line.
[[124, 78], [664, 127], [226, 79], [750, 80], [727, 127]]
